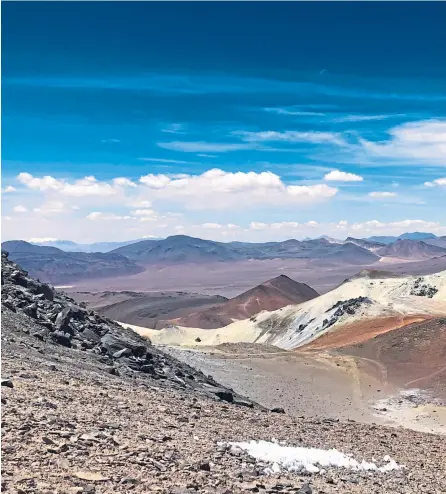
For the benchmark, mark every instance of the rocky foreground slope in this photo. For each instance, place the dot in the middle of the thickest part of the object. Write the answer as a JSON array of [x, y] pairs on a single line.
[[55, 319]]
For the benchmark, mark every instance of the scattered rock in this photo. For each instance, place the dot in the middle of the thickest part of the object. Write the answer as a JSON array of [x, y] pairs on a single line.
[[205, 465], [91, 476], [7, 382], [305, 489]]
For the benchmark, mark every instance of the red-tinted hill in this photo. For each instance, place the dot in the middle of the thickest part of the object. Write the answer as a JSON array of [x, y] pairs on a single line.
[[271, 295], [414, 356]]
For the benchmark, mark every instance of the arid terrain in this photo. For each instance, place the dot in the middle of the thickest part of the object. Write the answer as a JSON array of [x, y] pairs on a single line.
[[88, 406], [160, 309], [328, 371], [183, 263], [232, 278], [150, 309]]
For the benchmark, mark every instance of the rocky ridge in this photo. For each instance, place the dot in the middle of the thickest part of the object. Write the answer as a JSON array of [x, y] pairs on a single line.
[[59, 320]]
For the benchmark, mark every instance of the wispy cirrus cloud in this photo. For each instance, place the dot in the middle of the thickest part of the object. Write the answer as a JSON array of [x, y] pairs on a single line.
[[293, 111], [168, 161], [174, 128], [382, 195], [216, 84], [201, 146], [366, 118], [313, 137]]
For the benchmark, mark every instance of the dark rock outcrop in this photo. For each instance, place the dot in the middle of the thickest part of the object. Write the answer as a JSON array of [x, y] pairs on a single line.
[[422, 289], [56, 319]]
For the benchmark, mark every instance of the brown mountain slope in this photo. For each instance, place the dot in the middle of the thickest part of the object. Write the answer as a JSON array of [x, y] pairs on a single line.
[[271, 295], [147, 309], [411, 249], [414, 356]]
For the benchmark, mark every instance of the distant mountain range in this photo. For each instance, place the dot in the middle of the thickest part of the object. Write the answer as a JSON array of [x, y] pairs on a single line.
[[53, 265], [411, 249], [404, 236], [69, 246], [181, 249]]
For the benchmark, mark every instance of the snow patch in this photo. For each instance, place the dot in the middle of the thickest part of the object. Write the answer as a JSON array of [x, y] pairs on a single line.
[[311, 460]]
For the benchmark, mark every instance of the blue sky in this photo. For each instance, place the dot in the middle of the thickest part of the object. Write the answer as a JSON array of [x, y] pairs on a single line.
[[255, 121]]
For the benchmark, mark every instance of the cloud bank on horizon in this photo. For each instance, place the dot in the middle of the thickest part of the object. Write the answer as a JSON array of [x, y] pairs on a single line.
[[177, 129]]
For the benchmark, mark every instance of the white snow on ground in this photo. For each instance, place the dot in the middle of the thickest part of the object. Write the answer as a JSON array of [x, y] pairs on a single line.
[[311, 460], [413, 408], [296, 325]]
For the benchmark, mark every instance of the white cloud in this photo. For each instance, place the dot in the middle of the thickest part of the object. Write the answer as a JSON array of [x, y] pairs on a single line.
[[19, 209], [123, 182], [218, 189], [45, 183], [144, 204], [396, 227], [291, 111], [51, 207], [8, 189], [155, 181], [174, 128], [218, 226], [288, 225], [87, 186], [312, 224], [212, 226], [364, 118], [144, 212], [438, 182], [99, 216], [204, 147], [339, 176], [423, 141], [382, 195], [42, 240], [167, 161], [213, 189], [317, 192], [258, 226], [293, 136]]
